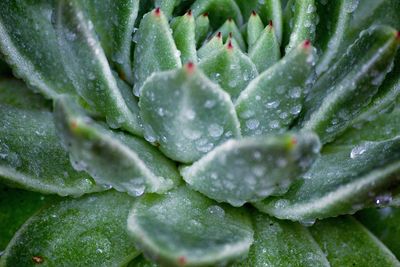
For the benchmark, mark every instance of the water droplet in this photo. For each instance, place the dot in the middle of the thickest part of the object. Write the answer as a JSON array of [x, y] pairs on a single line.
[[216, 210], [215, 130], [357, 151], [252, 124]]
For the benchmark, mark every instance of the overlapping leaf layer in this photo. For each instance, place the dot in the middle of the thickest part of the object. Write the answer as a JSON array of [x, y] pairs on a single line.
[[199, 133]]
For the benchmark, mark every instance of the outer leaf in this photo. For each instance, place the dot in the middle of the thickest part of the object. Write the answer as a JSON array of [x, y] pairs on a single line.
[[186, 113], [342, 181], [88, 68], [347, 243], [33, 54], [202, 28], [282, 243], [331, 30], [340, 93], [16, 206], [183, 227], [384, 223], [114, 23], [230, 68], [219, 10], [251, 169], [299, 22], [167, 6], [184, 34], [214, 44], [127, 163], [155, 49], [31, 155], [274, 99], [266, 50], [90, 231], [386, 97]]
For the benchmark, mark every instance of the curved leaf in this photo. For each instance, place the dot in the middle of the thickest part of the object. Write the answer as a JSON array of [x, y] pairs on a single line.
[[33, 54], [274, 99], [229, 68], [331, 30], [16, 206], [346, 242], [186, 113], [32, 157], [340, 93], [384, 223], [271, 10], [344, 180], [89, 231], [219, 10], [282, 243], [184, 29], [183, 227], [155, 49], [88, 69], [114, 23], [266, 50], [115, 159], [299, 22], [251, 169]]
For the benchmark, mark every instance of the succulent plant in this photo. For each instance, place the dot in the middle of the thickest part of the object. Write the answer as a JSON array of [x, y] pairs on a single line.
[[199, 133]]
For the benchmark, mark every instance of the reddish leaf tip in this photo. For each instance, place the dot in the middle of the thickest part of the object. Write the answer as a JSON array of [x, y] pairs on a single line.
[[398, 35], [293, 141], [189, 13], [205, 15], [230, 45], [182, 260], [157, 11], [230, 19], [230, 35], [219, 35], [190, 67], [253, 13], [307, 44], [271, 23]]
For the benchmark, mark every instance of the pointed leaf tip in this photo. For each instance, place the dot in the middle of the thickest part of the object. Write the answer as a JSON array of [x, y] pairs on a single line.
[[254, 13], [307, 44], [190, 67], [270, 24], [205, 15], [398, 35], [230, 45], [189, 13], [219, 35], [157, 11]]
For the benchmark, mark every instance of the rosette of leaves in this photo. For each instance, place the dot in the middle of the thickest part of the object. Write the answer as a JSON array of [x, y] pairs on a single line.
[[199, 133]]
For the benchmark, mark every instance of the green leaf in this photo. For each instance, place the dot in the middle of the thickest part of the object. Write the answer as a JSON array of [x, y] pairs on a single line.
[[230, 29], [339, 94], [210, 47], [254, 29], [219, 10], [155, 49], [184, 29], [282, 243], [15, 93], [271, 10], [230, 68], [274, 99], [186, 113], [386, 97], [344, 180], [383, 223], [167, 6], [202, 28], [346, 242], [31, 156], [183, 227], [16, 206], [251, 169], [29, 44], [299, 23], [114, 24], [87, 67], [331, 30], [114, 159], [266, 50], [89, 231]]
